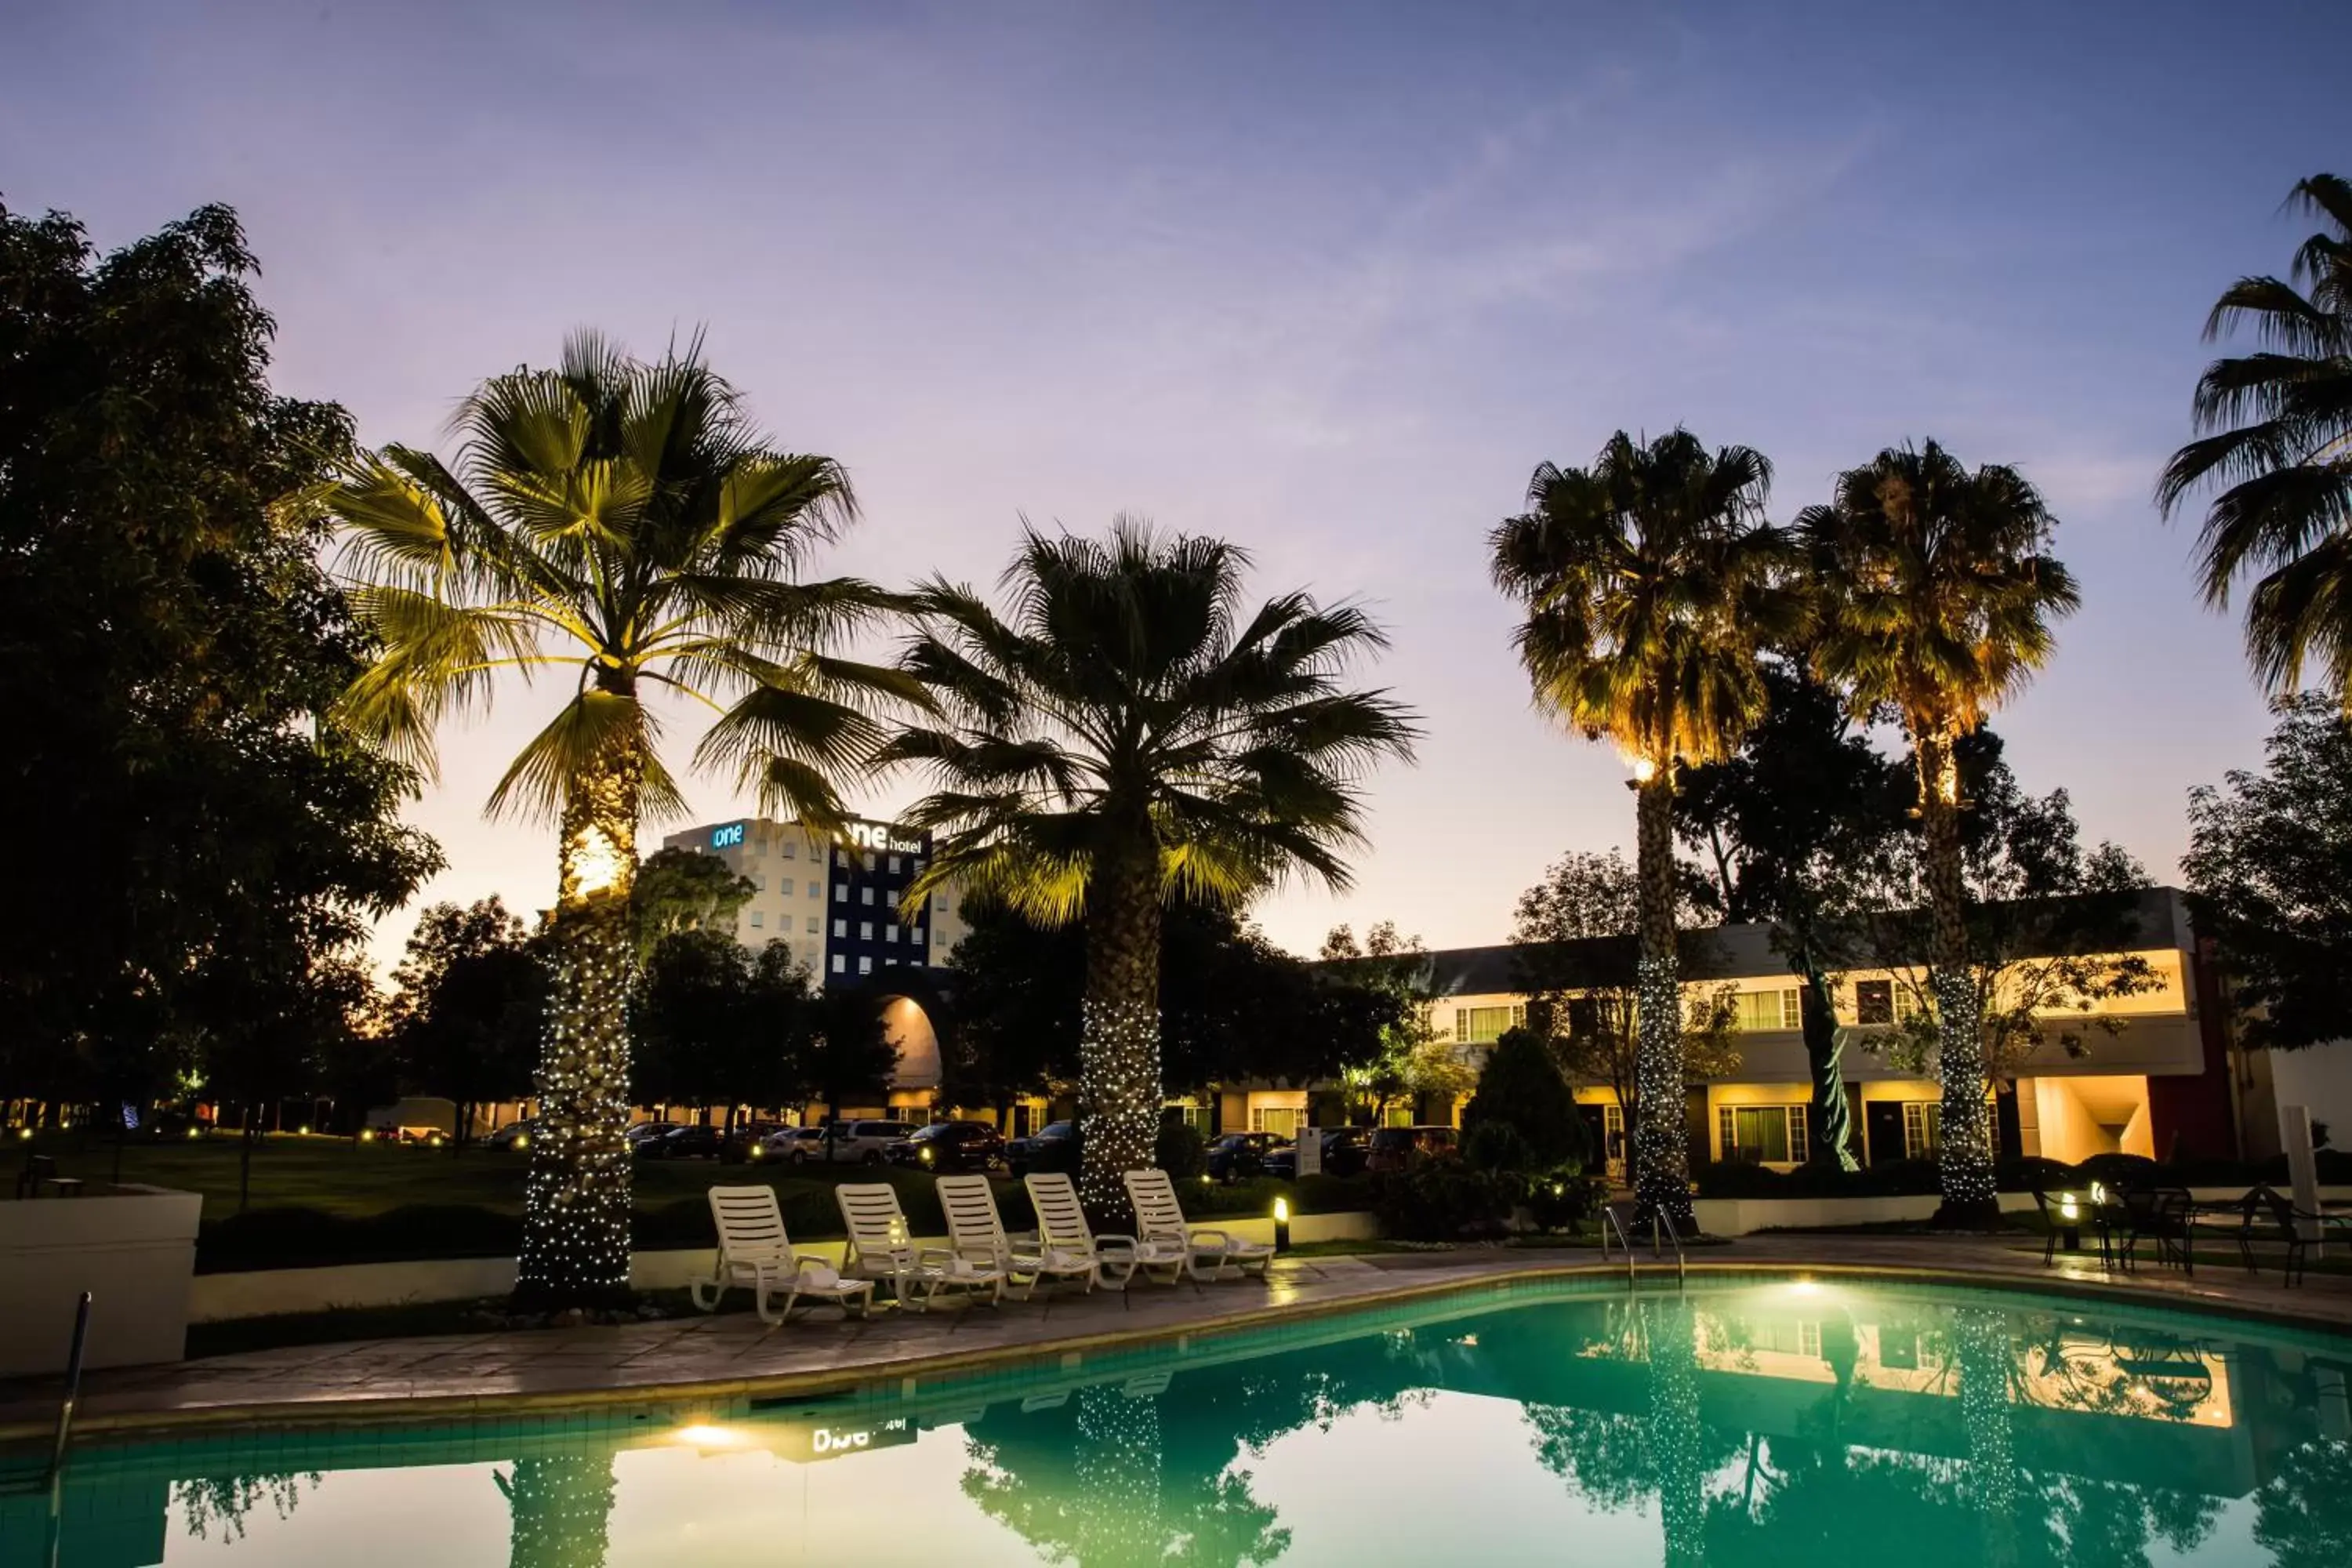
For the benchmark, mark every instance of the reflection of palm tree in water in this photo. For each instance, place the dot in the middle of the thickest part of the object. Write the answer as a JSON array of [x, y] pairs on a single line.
[[1981, 1346], [1677, 1440], [560, 1511]]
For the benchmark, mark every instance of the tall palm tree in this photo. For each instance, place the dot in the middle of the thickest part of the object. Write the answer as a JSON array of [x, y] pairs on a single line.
[[623, 523], [1651, 585], [2279, 424], [1935, 591], [1130, 731]]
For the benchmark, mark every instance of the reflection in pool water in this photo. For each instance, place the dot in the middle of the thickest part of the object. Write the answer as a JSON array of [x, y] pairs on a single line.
[[1769, 1423]]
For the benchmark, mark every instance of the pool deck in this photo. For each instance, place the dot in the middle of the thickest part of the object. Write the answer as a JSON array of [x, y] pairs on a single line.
[[684, 1358]]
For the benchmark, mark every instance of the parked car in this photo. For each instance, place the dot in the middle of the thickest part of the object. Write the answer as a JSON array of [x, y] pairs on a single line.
[[793, 1145], [950, 1146], [685, 1144], [1393, 1149], [644, 1132], [512, 1136], [1343, 1156], [863, 1142], [1053, 1147], [1237, 1157]]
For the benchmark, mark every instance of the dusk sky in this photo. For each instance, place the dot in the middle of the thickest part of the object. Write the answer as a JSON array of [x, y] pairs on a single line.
[[1328, 280]]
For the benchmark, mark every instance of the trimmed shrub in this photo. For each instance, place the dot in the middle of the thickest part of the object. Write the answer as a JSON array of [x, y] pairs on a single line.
[[1447, 1203], [1520, 1087], [1498, 1146], [1180, 1150]]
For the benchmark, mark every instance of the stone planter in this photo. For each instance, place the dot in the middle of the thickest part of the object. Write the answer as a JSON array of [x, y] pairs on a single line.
[[132, 1248]]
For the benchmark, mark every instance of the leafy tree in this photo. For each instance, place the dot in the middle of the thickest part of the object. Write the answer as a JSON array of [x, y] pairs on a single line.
[[1579, 961], [1934, 589], [685, 890], [470, 1007], [624, 522], [849, 1054], [2276, 442], [177, 647], [2048, 934], [2270, 877], [1779, 826], [1521, 1088], [1409, 1057], [1131, 734], [716, 1026], [1652, 585], [270, 1034]]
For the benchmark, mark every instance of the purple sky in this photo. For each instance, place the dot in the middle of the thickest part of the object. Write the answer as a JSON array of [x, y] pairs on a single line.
[[1328, 280]]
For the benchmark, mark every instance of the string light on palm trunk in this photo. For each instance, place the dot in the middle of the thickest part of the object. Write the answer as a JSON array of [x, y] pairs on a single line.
[[1661, 1160], [1967, 1154], [1118, 1058], [576, 1202]]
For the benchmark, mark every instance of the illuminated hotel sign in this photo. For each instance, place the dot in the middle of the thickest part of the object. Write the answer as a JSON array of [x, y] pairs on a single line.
[[882, 835], [727, 838], [808, 1443]]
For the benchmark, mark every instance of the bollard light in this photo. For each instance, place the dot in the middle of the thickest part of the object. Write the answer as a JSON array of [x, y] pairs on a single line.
[[1282, 1225]]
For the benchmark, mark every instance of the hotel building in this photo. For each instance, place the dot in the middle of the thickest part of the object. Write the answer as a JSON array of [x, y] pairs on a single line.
[[2157, 1071], [834, 905]]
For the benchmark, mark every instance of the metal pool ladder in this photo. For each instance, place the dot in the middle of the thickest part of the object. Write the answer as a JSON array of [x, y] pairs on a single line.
[[1661, 1230]]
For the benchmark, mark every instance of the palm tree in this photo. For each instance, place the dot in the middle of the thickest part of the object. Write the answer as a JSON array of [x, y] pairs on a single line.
[[622, 521], [1652, 587], [2279, 426], [1130, 733], [1935, 591]]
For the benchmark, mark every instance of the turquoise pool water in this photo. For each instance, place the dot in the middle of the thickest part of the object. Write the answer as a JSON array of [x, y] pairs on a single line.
[[1775, 1422]]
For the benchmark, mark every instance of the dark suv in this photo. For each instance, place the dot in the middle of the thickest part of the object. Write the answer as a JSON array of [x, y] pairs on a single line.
[[685, 1144], [1053, 1147], [1343, 1156], [949, 1146], [1237, 1157]]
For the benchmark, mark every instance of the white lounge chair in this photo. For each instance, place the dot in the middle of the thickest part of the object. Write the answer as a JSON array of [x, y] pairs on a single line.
[[1062, 1226], [882, 1250], [976, 1233], [754, 1250], [1160, 1221]]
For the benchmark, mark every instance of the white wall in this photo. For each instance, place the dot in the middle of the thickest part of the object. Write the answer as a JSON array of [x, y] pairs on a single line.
[[133, 1249], [2321, 1078]]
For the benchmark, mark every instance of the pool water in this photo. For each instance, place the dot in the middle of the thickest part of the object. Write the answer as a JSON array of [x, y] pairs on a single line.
[[1774, 1422]]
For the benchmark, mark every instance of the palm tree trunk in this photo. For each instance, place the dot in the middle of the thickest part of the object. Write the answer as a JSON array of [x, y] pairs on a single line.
[[1661, 1147], [576, 1242], [1965, 1165], [1118, 1042], [560, 1512]]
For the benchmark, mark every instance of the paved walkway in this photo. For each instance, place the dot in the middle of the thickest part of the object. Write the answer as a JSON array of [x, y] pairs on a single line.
[[736, 1354]]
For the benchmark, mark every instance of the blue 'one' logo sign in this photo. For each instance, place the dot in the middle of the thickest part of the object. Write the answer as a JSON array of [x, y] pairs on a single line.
[[727, 838]]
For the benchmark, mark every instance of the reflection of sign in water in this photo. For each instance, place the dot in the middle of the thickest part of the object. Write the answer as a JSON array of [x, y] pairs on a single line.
[[832, 1442], [727, 838]]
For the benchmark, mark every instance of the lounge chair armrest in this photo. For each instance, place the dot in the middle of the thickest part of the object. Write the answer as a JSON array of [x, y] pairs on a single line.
[[804, 1261], [1208, 1236], [1126, 1244]]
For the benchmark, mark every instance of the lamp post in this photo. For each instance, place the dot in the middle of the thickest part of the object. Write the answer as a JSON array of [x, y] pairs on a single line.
[[1282, 1225]]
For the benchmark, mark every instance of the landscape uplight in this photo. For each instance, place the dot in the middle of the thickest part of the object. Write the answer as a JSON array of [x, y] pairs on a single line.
[[1282, 1225]]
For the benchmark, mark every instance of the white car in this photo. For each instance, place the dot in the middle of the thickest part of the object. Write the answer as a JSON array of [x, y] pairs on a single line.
[[856, 1143]]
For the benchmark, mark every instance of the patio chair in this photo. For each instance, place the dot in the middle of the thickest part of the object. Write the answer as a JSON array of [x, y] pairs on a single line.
[[1062, 1227], [882, 1249], [976, 1233], [2163, 1215], [1160, 1218], [2269, 1216], [754, 1250]]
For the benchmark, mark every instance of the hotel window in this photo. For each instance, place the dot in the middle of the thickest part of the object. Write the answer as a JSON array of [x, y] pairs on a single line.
[[1873, 1001], [816, 891], [839, 963], [865, 930], [841, 928], [915, 866], [791, 850], [869, 862], [1612, 1132], [894, 865], [840, 893], [1923, 1129], [1766, 1134], [1484, 1026], [870, 894], [1765, 1010], [814, 926], [1282, 1120], [890, 931], [865, 966], [758, 920], [946, 907]]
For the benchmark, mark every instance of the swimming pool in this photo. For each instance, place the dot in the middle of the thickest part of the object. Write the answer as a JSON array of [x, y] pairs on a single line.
[[1763, 1422]]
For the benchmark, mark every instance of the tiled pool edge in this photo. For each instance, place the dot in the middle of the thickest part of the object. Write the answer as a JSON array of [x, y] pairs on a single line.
[[816, 1384]]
